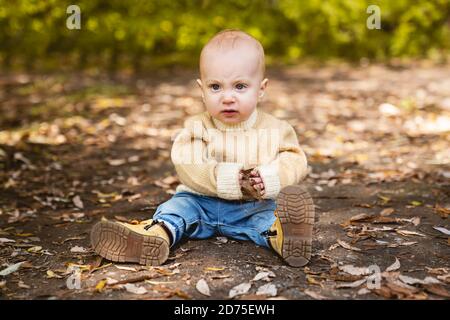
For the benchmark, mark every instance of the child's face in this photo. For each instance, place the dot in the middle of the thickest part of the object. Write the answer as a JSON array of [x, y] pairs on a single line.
[[231, 83]]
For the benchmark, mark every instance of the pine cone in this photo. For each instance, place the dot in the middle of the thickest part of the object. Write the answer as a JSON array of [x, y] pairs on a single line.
[[246, 188]]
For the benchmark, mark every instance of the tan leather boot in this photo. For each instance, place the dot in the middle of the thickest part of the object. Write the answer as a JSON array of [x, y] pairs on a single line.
[[144, 243], [291, 233]]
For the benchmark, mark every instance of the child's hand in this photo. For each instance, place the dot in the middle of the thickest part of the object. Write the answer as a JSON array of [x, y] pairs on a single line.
[[251, 184], [257, 182]]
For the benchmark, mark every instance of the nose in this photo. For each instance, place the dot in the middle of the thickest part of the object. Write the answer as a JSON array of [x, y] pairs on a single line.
[[228, 98]]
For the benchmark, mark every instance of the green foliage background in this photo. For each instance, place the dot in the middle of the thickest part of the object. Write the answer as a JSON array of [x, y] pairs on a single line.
[[139, 34]]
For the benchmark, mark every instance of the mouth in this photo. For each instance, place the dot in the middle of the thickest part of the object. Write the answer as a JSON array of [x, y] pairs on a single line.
[[229, 112]]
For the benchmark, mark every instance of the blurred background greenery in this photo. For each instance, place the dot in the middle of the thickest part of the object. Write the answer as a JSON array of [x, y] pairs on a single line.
[[140, 35]]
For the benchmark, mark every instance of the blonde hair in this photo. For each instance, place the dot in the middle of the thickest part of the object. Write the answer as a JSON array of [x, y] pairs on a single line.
[[230, 39]]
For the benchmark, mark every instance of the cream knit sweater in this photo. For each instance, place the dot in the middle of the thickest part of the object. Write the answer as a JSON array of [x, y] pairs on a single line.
[[208, 155]]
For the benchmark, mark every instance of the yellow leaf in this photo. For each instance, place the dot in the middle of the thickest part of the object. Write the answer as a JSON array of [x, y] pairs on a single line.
[[35, 249], [79, 266], [214, 269], [312, 280], [384, 198], [416, 203], [100, 285], [51, 274]]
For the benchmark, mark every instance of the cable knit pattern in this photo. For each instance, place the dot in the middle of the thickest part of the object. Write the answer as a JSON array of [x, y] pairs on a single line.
[[271, 180], [228, 186], [208, 155]]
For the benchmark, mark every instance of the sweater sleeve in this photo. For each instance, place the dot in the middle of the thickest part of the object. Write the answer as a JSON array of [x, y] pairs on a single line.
[[200, 172], [289, 167]]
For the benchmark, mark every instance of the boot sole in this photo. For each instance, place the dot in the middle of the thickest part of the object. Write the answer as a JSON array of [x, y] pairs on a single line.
[[295, 209], [117, 243]]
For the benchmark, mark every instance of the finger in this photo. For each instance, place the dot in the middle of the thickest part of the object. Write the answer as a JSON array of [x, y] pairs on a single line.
[[259, 186], [255, 181], [254, 172], [262, 192]]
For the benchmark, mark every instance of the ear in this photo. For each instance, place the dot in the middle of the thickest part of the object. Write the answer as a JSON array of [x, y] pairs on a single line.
[[262, 88], [200, 85]]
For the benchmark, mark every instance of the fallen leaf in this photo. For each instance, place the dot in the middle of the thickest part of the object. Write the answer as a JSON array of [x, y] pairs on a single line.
[[356, 271], [354, 284], [11, 268], [73, 238], [347, 246], [437, 289], [138, 276], [51, 274], [312, 280], [221, 240], [202, 287], [386, 212], [415, 221], [443, 230], [214, 269], [164, 271], [78, 249], [116, 162], [5, 240], [22, 285], [159, 282], [437, 270], [100, 285], [77, 202], [268, 289], [393, 267], [384, 198], [442, 211], [408, 243], [409, 233], [359, 217], [170, 180], [314, 295], [35, 249], [363, 291], [411, 280], [240, 289], [132, 288], [111, 281], [265, 275], [125, 268], [222, 276]]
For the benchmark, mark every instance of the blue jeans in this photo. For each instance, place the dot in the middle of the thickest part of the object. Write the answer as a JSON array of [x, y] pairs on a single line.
[[200, 217]]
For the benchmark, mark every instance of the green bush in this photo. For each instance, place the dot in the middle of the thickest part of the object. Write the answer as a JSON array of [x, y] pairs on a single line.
[[139, 33]]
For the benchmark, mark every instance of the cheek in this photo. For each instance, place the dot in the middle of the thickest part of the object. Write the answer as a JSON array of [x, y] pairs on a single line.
[[249, 98], [211, 101]]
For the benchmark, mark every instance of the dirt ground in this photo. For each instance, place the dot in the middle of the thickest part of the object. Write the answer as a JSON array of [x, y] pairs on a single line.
[[76, 147]]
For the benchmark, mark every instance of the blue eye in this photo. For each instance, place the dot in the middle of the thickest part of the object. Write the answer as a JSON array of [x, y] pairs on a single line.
[[240, 86], [214, 86]]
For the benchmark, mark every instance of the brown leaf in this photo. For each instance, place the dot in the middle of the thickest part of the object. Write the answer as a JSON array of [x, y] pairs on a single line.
[[409, 233], [393, 267], [386, 212], [347, 246], [314, 295], [138, 277], [442, 211], [437, 289]]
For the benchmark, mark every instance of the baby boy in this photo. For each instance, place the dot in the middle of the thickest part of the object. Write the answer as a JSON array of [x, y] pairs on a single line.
[[239, 168]]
